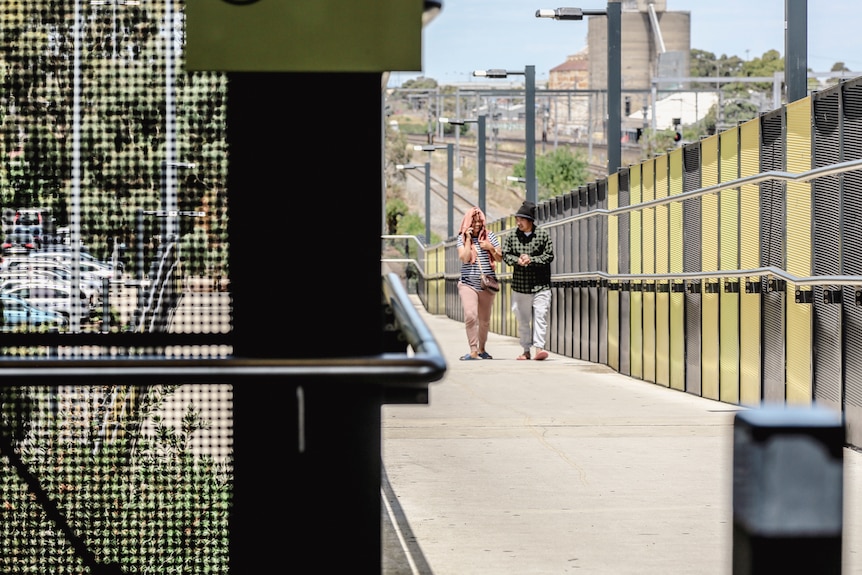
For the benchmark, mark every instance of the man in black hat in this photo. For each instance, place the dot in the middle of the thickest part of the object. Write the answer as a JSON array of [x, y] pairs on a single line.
[[530, 252]]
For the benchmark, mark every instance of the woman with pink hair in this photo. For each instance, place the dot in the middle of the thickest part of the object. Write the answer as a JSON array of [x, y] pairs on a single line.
[[479, 251]]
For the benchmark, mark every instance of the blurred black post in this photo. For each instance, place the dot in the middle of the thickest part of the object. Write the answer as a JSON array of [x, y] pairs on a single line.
[[788, 491], [307, 459]]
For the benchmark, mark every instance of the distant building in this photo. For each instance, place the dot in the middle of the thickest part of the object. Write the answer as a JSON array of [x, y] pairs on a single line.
[[569, 115], [573, 74], [654, 42], [687, 107]]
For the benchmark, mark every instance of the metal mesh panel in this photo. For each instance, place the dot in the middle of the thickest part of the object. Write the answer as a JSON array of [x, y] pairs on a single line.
[[826, 199], [584, 314], [116, 180], [602, 265], [573, 291], [772, 246], [570, 204], [593, 264], [556, 312], [851, 250], [115, 475], [623, 227], [728, 305], [675, 257], [772, 192], [750, 299], [691, 210], [582, 232], [624, 224], [648, 249], [114, 217], [691, 262]]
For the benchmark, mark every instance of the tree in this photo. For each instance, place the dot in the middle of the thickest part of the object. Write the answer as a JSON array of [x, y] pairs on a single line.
[[765, 66], [420, 83], [557, 172], [837, 67], [739, 100]]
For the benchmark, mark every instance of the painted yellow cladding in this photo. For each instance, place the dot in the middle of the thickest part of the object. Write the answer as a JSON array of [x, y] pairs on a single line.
[[648, 243], [729, 260], [799, 341], [636, 331], [749, 258], [662, 296]]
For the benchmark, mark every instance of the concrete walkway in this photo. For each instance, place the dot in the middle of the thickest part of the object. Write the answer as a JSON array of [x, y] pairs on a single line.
[[563, 466]]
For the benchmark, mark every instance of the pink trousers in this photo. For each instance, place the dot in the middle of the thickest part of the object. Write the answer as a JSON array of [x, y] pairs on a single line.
[[477, 314]]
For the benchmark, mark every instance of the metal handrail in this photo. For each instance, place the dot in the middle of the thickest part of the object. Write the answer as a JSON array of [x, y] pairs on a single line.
[[391, 370], [830, 170], [716, 274]]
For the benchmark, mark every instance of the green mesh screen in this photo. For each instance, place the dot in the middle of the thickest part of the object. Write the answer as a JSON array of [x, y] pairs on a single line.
[[114, 211], [114, 479], [114, 227]]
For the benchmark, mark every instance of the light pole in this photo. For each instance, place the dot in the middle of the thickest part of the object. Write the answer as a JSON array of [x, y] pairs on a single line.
[[613, 13], [75, 208], [450, 180], [529, 74], [427, 167], [480, 153], [169, 197]]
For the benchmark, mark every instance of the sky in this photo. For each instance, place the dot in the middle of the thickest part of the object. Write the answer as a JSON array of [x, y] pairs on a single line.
[[472, 35]]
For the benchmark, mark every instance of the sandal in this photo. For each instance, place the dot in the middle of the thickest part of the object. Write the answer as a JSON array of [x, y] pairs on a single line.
[[525, 355], [485, 355], [541, 354], [468, 357]]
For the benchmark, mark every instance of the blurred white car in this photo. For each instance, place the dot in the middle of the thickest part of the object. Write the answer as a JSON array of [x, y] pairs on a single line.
[[18, 313], [53, 296], [90, 281]]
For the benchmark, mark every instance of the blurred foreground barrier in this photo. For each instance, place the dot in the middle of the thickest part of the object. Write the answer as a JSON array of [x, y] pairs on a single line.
[[788, 488]]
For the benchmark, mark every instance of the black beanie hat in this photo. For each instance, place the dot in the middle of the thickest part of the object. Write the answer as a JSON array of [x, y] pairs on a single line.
[[527, 210]]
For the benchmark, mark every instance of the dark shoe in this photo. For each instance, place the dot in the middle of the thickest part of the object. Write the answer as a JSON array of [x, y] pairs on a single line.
[[469, 357], [541, 354], [485, 355], [525, 355]]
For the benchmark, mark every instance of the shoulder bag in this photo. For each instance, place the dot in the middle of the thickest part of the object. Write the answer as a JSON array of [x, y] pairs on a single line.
[[489, 282]]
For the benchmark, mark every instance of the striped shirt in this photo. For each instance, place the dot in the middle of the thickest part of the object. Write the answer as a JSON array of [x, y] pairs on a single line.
[[470, 272]]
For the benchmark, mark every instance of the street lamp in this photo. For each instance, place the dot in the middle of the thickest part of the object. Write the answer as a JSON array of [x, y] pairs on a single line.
[[529, 74], [450, 180], [427, 167], [480, 154], [614, 69]]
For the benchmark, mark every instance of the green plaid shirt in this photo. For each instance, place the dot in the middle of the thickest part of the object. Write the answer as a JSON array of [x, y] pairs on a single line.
[[536, 276]]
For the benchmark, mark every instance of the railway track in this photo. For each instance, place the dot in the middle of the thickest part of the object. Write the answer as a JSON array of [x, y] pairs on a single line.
[[495, 155], [510, 151], [440, 190]]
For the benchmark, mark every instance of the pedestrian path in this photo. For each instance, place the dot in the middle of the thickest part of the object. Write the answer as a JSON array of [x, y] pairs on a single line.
[[563, 466]]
